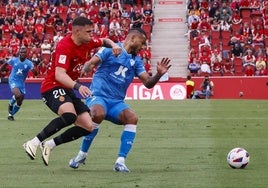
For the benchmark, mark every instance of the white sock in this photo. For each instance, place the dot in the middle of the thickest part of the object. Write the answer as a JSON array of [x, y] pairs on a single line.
[[82, 153], [120, 160], [51, 143], [36, 141]]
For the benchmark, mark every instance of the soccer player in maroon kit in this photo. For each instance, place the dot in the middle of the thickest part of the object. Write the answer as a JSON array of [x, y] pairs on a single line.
[[58, 89]]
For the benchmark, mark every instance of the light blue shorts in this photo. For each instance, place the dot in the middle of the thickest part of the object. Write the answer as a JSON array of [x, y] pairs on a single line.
[[112, 108]]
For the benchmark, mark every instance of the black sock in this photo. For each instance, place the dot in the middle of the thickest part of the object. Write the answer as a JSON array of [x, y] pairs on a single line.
[[54, 126], [71, 134]]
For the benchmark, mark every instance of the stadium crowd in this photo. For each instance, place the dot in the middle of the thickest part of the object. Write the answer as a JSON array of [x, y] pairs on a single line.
[[40, 24], [227, 37]]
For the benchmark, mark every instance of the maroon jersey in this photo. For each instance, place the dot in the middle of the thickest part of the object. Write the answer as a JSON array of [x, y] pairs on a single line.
[[70, 57]]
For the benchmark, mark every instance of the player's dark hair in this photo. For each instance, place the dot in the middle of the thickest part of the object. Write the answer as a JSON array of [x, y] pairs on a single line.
[[81, 21], [139, 30]]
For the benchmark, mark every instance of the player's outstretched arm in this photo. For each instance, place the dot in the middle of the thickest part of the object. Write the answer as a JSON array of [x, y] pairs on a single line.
[[162, 68], [110, 44]]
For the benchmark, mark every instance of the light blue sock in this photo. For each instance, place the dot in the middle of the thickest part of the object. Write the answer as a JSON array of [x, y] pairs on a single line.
[[12, 100], [16, 108], [87, 140], [127, 140]]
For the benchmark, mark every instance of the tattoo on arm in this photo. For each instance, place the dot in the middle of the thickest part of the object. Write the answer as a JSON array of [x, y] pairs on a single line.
[[152, 81]]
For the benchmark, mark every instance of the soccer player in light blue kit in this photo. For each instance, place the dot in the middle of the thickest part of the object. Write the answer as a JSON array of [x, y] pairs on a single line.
[[20, 69], [109, 86]]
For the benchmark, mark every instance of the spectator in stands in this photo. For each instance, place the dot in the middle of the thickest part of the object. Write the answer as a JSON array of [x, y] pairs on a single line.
[[46, 47], [225, 26], [260, 65], [263, 71], [147, 65], [236, 17], [216, 61], [42, 68], [215, 26], [35, 59], [203, 40], [125, 25], [236, 51], [36, 40], [14, 43], [249, 59], [194, 67], [73, 6], [234, 5], [228, 67], [59, 24], [217, 67], [249, 71], [57, 38], [192, 54], [192, 4], [125, 13], [26, 40], [204, 25], [137, 20], [3, 54], [113, 36], [7, 29], [196, 9], [255, 4], [192, 17], [246, 48], [225, 16], [237, 38], [103, 31], [115, 26], [18, 29], [148, 14], [205, 62], [193, 29], [258, 36], [206, 91], [212, 11], [246, 32], [115, 9], [225, 9]]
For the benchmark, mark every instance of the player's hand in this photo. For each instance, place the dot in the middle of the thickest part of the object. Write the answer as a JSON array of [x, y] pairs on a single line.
[[163, 66], [116, 50], [84, 91]]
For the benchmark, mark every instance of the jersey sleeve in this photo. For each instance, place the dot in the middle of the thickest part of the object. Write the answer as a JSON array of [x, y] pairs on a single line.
[[62, 57], [96, 42], [103, 53], [11, 61], [139, 66]]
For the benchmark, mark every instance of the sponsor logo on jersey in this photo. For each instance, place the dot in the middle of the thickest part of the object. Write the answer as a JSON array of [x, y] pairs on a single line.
[[62, 59]]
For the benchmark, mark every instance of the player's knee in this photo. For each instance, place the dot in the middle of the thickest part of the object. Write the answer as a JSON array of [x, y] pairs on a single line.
[[131, 119], [68, 118], [97, 117], [19, 99]]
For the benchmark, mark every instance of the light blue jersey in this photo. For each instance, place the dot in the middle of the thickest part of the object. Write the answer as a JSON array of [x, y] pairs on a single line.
[[115, 74], [19, 73]]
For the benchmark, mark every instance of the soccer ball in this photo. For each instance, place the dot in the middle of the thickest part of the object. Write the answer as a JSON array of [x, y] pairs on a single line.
[[238, 158]]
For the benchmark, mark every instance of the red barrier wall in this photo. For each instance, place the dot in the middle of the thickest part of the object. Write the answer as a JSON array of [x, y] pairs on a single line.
[[229, 88], [225, 87]]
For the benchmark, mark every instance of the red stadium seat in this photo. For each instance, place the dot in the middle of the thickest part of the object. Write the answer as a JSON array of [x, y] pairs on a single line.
[[2, 10], [237, 61], [245, 13], [215, 34]]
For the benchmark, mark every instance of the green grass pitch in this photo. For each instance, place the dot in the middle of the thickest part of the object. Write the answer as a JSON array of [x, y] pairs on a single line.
[[180, 144]]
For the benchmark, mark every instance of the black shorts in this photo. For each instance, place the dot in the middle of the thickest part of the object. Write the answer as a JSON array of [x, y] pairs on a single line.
[[58, 96]]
